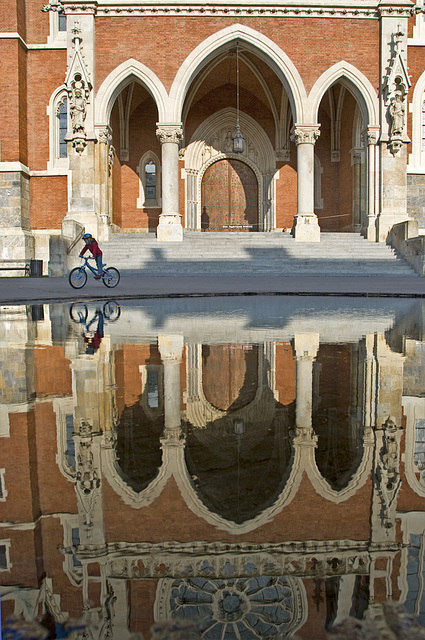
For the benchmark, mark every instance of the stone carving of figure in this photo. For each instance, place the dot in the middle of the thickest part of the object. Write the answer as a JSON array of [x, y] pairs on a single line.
[[228, 142], [397, 112], [78, 110]]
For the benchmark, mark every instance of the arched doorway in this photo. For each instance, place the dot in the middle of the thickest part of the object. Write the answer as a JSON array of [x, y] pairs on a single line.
[[229, 197]]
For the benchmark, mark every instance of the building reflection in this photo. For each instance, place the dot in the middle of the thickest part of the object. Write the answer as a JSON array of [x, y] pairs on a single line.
[[260, 482]]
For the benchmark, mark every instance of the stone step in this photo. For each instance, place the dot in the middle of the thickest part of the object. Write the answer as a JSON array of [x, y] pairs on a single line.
[[248, 253]]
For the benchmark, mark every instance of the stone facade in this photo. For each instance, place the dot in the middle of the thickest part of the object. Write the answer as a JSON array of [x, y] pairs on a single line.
[[416, 198], [334, 140]]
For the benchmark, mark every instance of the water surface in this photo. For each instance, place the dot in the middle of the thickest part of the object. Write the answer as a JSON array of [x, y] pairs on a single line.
[[255, 465]]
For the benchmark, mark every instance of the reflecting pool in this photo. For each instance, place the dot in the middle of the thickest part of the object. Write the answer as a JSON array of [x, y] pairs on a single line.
[[246, 468]]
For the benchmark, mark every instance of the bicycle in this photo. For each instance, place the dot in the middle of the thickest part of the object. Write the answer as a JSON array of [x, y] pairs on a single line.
[[93, 328], [78, 276], [78, 312]]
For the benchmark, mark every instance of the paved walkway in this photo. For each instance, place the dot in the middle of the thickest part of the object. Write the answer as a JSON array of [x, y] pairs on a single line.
[[39, 290]]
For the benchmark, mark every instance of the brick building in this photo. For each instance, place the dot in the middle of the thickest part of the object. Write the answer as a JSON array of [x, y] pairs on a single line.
[[121, 116], [163, 476]]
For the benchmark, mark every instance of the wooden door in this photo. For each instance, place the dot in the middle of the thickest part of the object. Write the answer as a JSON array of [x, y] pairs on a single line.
[[229, 197]]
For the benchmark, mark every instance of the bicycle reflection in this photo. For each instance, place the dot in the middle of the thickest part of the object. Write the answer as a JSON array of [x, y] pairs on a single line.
[[93, 328]]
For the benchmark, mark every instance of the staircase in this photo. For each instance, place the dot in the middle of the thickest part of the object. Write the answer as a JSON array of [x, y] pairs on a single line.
[[221, 254]]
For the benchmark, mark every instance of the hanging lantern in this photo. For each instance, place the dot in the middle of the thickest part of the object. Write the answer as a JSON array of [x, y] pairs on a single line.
[[238, 139]]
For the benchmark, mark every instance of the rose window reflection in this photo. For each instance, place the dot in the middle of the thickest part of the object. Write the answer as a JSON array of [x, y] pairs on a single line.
[[251, 608]]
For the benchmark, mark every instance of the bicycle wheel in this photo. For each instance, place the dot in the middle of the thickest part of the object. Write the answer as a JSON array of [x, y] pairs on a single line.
[[111, 277], [78, 312], [77, 278], [111, 311]]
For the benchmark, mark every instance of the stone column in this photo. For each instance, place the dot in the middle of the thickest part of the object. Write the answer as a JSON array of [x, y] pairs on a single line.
[[170, 227], [306, 346], [83, 196], [306, 227], [171, 348], [357, 155], [372, 205], [104, 154]]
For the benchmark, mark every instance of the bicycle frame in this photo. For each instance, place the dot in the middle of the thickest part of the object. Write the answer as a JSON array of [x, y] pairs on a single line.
[[86, 264], [110, 276]]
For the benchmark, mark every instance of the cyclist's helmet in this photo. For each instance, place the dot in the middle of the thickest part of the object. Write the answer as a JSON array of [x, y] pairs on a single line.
[[87, 236]]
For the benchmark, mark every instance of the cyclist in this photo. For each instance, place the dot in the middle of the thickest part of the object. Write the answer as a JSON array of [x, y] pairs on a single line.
[[93, 247]]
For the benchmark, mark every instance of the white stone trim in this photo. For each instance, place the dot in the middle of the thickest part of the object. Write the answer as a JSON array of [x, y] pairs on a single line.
[[141, 200], [418, 38], [63, 407], [414, 408], [129, 71], [7, 545], [416, 163], [251, 40], [263, 163], [3, 486], [56, 38], [353, 80], [113, 474], [358, 480], [14, 167], [337, 9], [55, 163], [412, 523], [318, 171]]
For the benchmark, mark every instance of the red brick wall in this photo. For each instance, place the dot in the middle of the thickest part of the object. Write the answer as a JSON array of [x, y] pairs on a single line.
[[13, 101], [285, 376], [49, 201], [46, 73], [37, 22], [152, 39], [53, 375]]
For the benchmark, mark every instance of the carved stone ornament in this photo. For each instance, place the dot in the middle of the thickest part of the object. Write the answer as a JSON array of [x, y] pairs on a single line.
[[172, 134], [87, 478], [53, 6], [388, 480], [111, 154], [283, 155], [275, 604], [370, 137], [395, 88], [79, 88], [105, 136], [305, 135]]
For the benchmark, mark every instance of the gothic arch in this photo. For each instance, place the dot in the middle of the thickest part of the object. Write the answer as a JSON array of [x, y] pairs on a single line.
[[118, 79], [257, 43], [417, 157], [248, 63], [56, 163], [324, 489], [259, 155], [353, 80], [136, 500]]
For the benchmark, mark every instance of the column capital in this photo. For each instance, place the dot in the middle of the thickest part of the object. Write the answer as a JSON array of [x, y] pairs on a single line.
[[104, 134], [169, 132], [306, 345], [171, 348], [305, 133], [371, 135]]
